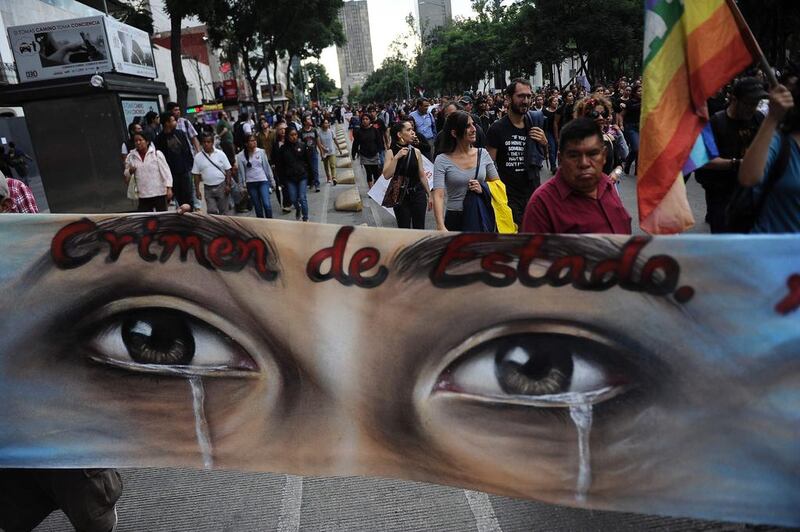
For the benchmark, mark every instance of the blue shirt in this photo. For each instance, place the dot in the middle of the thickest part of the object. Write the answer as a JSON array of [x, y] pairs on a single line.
[[425, 126], [781, 212]]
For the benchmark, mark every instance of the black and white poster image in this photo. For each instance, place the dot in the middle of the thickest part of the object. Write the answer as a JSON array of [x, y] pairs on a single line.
[[64, 47]]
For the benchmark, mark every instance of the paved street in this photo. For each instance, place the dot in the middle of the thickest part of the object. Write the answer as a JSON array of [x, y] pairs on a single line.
[[190, 500]]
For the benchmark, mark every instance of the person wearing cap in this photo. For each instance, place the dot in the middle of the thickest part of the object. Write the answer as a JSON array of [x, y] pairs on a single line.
[[16, 197], [734, 129]]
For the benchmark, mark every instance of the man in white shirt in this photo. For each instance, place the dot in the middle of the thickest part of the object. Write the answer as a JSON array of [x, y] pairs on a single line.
[[211, 166]]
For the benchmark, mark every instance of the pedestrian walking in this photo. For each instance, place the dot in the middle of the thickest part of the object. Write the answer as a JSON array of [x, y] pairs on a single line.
[[293, 161], [152, 174], [212, 168], [406, 163], [256, 174], [175, 146], [310, 138], [518, 145], [367, 145], [330, 148], [425, 126], [459, 168], [224, 131]]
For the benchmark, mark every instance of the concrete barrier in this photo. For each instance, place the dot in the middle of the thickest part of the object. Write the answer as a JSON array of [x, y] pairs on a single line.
[[349, 200], [346, 178], [344, 163]]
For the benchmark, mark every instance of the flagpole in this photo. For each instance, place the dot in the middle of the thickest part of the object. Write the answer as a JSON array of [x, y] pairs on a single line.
[[752, 43]]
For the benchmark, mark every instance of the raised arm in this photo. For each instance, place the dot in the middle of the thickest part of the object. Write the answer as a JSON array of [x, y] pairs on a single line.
[[754, 163]]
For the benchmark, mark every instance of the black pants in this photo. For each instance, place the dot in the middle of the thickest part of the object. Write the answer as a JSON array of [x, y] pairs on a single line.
[[157, 203], [717, 202], [454, 220], [86, 496], [518, 197], [410, 213], [182, 187], [373, 172], [228, 150]]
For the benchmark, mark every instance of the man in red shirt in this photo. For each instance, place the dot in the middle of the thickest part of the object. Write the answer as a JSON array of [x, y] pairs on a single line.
[[15, 196], [580, 198]]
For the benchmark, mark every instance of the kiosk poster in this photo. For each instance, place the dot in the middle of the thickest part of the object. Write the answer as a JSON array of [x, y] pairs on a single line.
[[137, 107], [60, 49], [131, 50], [653, 375]]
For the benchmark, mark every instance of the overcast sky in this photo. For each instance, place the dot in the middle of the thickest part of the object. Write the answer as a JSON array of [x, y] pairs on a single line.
[[387, 22]]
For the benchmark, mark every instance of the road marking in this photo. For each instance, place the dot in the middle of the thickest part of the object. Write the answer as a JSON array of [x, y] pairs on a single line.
[[291, 500], [482, 509]]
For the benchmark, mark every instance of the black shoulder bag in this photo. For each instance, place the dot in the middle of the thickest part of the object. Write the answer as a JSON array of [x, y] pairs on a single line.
[[743, 211], [398, 186]]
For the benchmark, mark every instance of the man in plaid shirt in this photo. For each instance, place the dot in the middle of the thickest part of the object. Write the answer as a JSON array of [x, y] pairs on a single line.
[[15, 196]]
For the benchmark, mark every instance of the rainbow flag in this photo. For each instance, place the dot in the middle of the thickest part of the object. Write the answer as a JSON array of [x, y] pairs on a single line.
[[692, 49]]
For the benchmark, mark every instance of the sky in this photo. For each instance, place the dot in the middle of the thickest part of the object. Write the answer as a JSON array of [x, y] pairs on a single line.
[[387, 22]]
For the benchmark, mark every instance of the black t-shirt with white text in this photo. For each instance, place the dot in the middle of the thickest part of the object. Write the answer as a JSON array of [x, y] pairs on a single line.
[[510, 142]]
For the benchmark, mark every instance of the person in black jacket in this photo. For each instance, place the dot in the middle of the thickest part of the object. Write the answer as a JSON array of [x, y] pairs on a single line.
[[368, 144], [293, 160], [174, 144]]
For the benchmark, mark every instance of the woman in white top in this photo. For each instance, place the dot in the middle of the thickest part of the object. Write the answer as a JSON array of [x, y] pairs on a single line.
[[153, 178], [454, 170], [254, 170]]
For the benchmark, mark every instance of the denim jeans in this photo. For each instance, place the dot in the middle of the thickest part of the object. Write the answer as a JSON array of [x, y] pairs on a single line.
[[315, 168], [259, 195], [297, 195], [632, 137]]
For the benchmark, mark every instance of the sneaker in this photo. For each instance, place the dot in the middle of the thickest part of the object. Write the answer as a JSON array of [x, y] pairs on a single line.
[[335, 183], [305, 219], [286, 210], [297, 215], [316, 189]]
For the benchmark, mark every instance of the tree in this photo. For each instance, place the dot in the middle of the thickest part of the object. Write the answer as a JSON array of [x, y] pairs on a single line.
[[178, 10], [321, 86], [776, 25]]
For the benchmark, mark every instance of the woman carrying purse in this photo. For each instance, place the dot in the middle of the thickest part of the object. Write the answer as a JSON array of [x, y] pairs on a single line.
[[406, 164]]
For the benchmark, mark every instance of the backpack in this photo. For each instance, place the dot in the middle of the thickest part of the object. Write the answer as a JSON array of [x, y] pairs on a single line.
[[238, 134], [743, 210]]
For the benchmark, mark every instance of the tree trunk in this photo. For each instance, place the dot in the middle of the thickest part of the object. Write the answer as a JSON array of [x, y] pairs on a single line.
[[248, 74], [272, 82], [181, 87]]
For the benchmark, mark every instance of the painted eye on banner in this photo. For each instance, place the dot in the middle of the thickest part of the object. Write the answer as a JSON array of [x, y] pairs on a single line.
[[168, 341], [543, 366]]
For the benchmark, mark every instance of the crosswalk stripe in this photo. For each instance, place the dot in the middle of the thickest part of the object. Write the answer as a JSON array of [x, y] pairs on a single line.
[[482, 509]]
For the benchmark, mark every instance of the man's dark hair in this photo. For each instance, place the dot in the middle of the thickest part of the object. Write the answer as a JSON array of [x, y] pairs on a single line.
[[165, 116], [420, 101], [220, 115], [171, 106], [578, 130], [244, 116], [458, 121], [512, 87], [150, 117], [203, 136]]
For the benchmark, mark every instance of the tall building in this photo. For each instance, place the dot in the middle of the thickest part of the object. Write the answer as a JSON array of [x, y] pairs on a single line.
[[355, 57], [434, 14]]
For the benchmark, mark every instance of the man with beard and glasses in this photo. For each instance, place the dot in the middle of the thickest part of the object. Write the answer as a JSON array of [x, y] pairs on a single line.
[[518, 144]]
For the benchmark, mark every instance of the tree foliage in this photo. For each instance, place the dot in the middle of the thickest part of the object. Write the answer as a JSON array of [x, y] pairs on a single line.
[[319, 85], [260, 32]]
